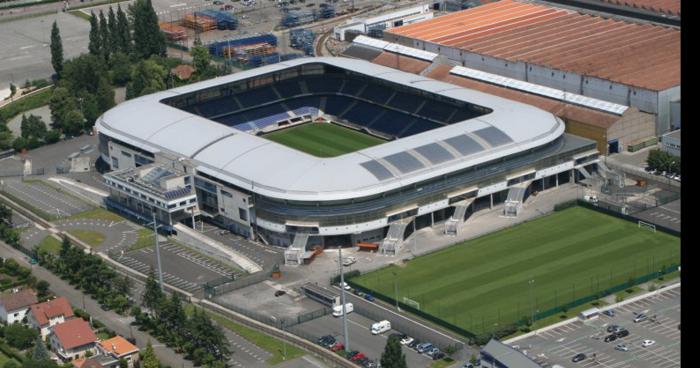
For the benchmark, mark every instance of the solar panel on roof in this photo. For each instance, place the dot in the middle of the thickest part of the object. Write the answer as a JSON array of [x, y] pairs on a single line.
[[494, 136], [435, 153], [404, 162], [378, 170], [464, 144]]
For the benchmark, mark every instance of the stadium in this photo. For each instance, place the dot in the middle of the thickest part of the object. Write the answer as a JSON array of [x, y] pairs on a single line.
[[331, 151]]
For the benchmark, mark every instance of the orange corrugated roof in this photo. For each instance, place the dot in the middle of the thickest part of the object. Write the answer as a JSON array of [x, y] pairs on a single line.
[[671, 7], [404, 63], [640, 55], [118, 346]]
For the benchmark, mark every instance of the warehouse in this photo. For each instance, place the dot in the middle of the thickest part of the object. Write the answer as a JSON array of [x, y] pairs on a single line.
[[631, 64]]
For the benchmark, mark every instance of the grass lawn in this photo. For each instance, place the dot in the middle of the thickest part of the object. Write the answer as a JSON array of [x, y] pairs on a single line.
[[263, 341], [50, 245], [4, 359], [93, 238], [324, 140], [80, 14], [484, 282], [144, 240], [15, 108], [98, 214]]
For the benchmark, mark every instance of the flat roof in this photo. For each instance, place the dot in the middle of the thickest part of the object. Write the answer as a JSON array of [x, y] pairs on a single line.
[[508, 356], [274, 170], [635, 54]]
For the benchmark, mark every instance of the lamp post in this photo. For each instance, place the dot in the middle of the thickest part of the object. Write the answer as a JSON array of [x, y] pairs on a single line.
[[396, 291], [342, 298], [532, 305], [155, 235], [284, 341]]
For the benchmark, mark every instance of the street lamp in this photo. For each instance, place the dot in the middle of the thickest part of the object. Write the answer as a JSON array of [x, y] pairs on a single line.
[[532, 304], [284, 342], [155, 235], [342, 297], [396, 291]]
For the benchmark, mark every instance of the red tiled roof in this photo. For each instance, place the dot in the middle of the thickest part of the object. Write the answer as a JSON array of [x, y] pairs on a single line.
[[42, 312], [21, 299], [73, 333], [641, 55], [118, 346]]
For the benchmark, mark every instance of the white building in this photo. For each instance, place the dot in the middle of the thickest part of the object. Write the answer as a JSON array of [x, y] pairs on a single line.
[[14, 306], [671, 142], [385, 21]]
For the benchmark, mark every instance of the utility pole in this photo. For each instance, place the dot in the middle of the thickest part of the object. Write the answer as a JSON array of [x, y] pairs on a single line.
[[342, 298], [155, 235]]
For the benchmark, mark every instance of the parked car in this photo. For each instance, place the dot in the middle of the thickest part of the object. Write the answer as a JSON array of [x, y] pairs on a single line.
[[406, 340], [345, 286], [380, 327], [369, 297], [280, 292], [439, 355], [324, 340], [338, 346], [609, 312], [413, 344], [399, 336], [611, 337], [348, 260], [432, 352], [351, 354], [621, 347], [424, 347], [647, 343], [640, 318], [578, 357], [358, 356], [613, 328], [622, 333]]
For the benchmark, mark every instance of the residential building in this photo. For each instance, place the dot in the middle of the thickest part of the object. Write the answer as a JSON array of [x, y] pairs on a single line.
[[98, 361], [73, 339], [119, 348], [14, 306], [671, 143], [48, 314]]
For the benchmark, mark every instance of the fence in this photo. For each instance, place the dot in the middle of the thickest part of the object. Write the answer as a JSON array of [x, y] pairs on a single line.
[[282, 323], [615, 210], [222, 286]]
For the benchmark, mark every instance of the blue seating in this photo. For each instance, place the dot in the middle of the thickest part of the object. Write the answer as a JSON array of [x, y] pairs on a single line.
[[436, 111], [363, 113], [392, 123], [405, 101], [304, 105], [288, 88], [420, 126], [256, 96], [323, 84], [462, 115], [216, 106], [352, 87], [377, 94], [335, 105]]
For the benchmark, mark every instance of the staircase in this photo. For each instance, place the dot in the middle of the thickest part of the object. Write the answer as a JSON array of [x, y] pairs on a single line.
[[457, 217], [294, 255], [394, 237], [514, 201]]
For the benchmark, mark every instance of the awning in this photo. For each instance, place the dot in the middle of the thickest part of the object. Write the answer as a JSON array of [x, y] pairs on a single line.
[[363, 245]]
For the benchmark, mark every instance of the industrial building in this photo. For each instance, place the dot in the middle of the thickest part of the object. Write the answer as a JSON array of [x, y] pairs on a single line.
[[364, 25], [449, 152], [628, 63]]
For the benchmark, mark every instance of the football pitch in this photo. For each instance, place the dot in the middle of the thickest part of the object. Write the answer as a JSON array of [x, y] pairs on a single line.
[[502, 277], [323, 139]]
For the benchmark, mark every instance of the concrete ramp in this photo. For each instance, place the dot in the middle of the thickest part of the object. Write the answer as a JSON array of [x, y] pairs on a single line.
[[216, 248]]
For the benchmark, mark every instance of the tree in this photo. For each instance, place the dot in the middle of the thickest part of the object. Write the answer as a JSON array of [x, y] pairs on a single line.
[[95, 45], [20, 337], [105, 39], [123, 31], [201, 60], [40, 352], [148, 38], [152, 294], [104, 95], [148, 77], [149, 358], [393, 357], [11, 364], [5, 214], [120, 68], [113, 31], [33, 127], [56, 50], [42, 288], [73, 123], [60, 103], [13, 90]]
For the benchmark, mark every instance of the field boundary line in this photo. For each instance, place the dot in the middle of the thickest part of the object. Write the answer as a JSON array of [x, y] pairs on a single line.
[[612, 306]]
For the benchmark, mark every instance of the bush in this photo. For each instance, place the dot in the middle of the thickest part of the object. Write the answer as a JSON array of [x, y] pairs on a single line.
[[20, 337], [565, 205], [81, 313]]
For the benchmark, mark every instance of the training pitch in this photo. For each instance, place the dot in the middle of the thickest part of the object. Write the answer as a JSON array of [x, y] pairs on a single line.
[[502, 277], [323, 139]]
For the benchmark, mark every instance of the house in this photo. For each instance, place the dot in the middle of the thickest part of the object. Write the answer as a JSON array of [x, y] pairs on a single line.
[[73, 339], [14, 306], [119, 348], [47, 314], [98, 361]]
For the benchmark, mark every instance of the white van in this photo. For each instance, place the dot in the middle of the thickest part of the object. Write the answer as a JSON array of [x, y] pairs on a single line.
[[381, 327], [338, 309]]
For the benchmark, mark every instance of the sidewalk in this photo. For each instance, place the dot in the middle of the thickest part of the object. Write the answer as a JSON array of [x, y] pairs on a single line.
[[120, 324]]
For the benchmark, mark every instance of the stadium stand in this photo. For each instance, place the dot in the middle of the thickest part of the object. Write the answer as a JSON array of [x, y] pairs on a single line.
[[377, 94], [405, 101]]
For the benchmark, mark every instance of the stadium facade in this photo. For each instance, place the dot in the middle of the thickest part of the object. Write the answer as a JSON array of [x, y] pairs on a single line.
[[200, 150]]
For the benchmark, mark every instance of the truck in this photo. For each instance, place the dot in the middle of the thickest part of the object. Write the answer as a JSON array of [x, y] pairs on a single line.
[[380, 327], [338, 309]]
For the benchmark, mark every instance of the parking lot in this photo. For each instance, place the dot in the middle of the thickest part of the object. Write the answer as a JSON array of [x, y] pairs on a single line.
[[265, 256], [361, 339], [44, 197], [182, 268], [561, 344]]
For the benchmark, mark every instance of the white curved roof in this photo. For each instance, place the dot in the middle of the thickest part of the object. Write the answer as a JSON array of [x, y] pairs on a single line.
[[277, 171]]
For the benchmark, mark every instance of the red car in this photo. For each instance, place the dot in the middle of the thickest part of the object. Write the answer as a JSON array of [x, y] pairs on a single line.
[[357, 356], [338, 346]]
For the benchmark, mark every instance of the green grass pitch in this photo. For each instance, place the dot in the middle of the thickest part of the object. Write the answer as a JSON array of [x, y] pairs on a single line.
[[485, 281], [323, 139]]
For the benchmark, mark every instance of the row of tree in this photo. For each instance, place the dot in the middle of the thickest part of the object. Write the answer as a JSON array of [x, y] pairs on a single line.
[[89, 273], [7, 233], [195, 335], [663, 161]]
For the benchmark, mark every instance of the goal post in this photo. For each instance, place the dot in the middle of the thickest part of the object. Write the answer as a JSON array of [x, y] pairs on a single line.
[[411, 302], [646, 225]]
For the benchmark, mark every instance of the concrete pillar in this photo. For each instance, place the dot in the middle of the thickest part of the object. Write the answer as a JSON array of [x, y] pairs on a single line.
[[556, 183], [432, 219], [491, 201]]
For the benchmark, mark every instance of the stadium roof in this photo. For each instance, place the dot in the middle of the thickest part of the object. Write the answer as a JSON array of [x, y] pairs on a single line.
[[635, 54], [277, 171]]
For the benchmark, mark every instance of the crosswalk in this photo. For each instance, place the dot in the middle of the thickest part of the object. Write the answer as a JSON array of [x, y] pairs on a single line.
[[168, 278]]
